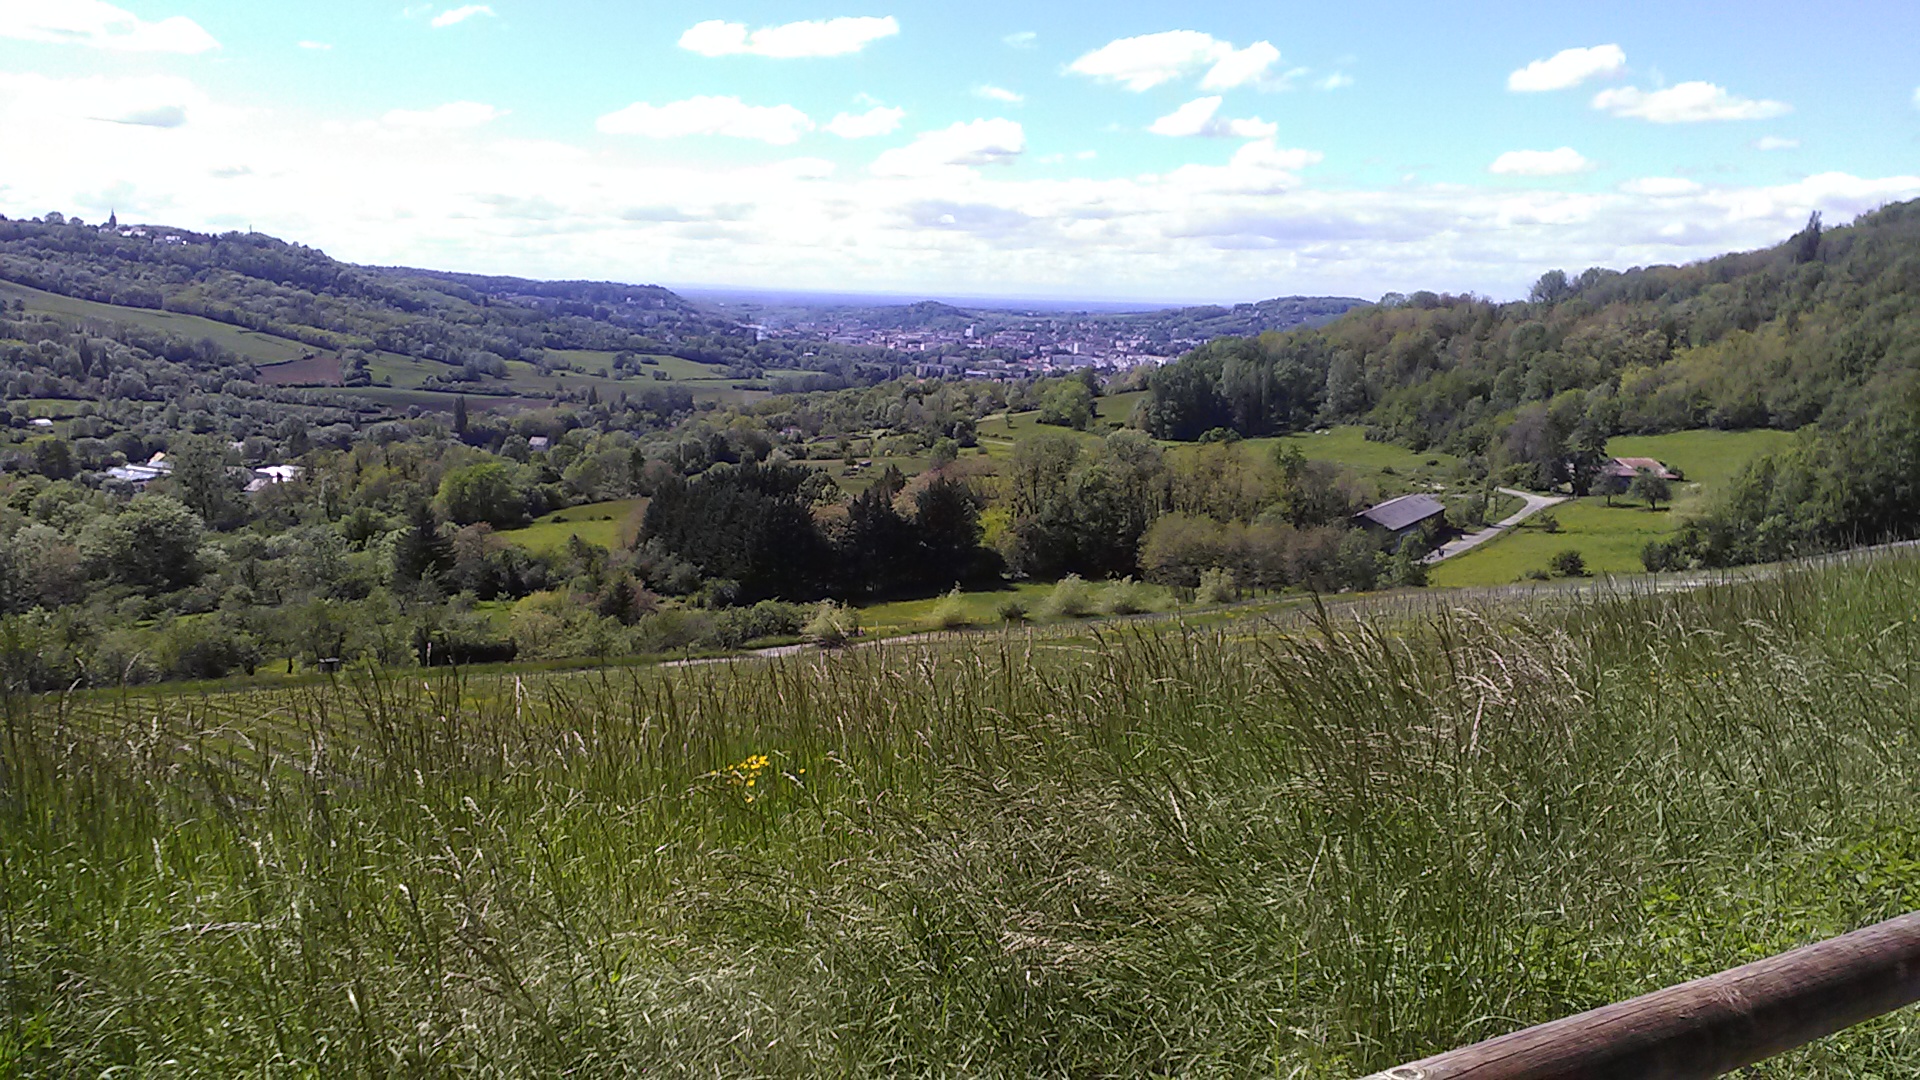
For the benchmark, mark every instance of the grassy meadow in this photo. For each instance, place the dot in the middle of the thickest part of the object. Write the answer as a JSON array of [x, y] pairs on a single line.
[[608, 524], [1312, 848], [1610, 537]]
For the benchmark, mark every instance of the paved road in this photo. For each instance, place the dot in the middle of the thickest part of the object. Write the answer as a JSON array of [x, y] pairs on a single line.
[[1535, 504]]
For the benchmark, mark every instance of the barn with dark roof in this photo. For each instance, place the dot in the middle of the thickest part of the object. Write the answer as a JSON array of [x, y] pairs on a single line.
[[1398, 517]]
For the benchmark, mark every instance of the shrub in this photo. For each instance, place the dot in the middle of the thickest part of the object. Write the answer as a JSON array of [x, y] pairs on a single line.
[[1125, 597], [1569, 563], [1012, 610], [951, 612], [832, 625], [1072, 598], [1549, 523], [1218, 587]]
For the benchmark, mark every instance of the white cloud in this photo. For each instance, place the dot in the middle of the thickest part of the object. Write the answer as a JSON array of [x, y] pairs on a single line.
[[453, 116], [1687, 103], [1775, 142], [1144, 62], [456, 16], [1022, 39], [1240, 67], [1197, 117], [1339, 80], [1568, 68], [1916, 97], [1562, 162], [1662, 187], [879, 120], [967, 143], [144, 101], [100, 25], [317, 46], [1259, 224], [779, 125], [817, 37], [998, 93]]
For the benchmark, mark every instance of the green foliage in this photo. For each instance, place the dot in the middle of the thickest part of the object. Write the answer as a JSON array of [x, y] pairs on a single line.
[[482, 492], [952, 613], [1067, 403], [1071, 598], [1217, 587], [1569, 563], [832, 626], [1651, 488]]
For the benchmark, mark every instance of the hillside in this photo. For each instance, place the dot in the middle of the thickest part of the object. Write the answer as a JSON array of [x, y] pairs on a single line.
[[299, 293], [1813, 329]]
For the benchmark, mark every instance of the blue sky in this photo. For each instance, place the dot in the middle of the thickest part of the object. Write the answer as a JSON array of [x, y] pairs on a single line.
[[1115, 150]]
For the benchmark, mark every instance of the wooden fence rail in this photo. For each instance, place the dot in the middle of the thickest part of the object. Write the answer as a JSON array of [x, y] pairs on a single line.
[[1709, 1026]]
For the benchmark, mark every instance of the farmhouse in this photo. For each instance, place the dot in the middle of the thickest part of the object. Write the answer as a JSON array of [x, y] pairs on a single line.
[[1626, 468], [1398, 517]]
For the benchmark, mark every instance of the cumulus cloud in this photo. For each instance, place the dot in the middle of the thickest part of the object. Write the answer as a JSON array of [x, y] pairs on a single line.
[[1565, 161], [816, 37], [100, 25], [1686, 103], [1022, 39], [1568, 68], [1144, 62], [1242, 66], [1662, 187], [1339, 80], [456, 16], [998, 93], [1199, 117], [879, 120], [778, 125], [967, 143], [453, 116], [1775, 142], [1261, 223]]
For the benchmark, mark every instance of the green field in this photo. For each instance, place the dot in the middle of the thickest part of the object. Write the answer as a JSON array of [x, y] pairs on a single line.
[[1314, 851], [604, 524], [1610, 539]]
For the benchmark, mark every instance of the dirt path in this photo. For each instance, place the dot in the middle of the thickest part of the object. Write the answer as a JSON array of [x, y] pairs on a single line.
[[1535, 504]]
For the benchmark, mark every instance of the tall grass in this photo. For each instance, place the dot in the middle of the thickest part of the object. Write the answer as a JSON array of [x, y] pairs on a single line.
[[1319, 849]]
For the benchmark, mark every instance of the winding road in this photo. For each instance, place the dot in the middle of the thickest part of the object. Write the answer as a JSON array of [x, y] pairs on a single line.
[[1535, 504]]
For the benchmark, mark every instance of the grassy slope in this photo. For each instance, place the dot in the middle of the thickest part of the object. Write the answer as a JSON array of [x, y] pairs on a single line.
[[1296, 854], [1610, 538], [602, 523]]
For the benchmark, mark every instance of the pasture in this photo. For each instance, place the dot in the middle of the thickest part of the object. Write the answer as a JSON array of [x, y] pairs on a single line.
[[607, 524], [1315, 850], [1610, 537]]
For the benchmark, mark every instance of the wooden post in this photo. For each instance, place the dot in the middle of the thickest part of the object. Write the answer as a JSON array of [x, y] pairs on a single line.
[[1709, 1026]]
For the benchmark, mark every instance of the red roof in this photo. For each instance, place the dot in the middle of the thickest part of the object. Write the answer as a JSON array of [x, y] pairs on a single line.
[[1627, 468]]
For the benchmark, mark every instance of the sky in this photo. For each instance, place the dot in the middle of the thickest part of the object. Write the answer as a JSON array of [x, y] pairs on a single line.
[[1121, 150]]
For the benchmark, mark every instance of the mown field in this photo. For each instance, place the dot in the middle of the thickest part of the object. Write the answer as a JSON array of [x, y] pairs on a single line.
[[608, 524], [1309, 849], [1611, 537]]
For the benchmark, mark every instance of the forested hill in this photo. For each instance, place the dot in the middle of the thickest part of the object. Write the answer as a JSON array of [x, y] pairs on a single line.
[[1817, 328], [261, 283]]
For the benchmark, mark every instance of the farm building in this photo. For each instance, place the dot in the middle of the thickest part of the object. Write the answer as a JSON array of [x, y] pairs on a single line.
[[1626, 468], [1398, 517]]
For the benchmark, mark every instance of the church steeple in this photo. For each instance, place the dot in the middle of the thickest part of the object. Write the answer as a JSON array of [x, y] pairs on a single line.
[[113, 219]]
